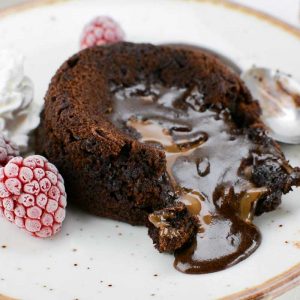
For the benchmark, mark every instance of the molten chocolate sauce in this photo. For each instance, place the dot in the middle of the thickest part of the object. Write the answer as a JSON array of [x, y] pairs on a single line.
[[206, 157]]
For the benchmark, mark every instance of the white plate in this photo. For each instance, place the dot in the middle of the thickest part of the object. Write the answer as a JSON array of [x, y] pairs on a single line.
[[91, 253]]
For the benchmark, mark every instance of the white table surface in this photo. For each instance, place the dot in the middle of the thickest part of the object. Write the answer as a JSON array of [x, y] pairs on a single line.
[[286, 10]]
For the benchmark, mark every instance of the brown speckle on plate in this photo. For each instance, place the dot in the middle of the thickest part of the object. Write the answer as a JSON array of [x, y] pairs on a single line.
[[297, 244]]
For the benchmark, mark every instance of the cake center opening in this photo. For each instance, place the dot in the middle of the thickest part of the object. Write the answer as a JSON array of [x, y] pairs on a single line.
[[207, 162]]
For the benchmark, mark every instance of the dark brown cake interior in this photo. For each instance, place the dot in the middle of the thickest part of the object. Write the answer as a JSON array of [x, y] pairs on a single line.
[[181, 104]]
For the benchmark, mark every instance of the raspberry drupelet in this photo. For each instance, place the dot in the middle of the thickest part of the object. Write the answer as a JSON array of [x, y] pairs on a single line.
[[32, 195], [101, 30]]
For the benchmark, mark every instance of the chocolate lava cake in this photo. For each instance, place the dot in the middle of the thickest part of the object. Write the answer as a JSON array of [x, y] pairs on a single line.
[[166, 137]]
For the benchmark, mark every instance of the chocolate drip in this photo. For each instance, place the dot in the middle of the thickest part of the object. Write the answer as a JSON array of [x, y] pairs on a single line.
[[206, 158]]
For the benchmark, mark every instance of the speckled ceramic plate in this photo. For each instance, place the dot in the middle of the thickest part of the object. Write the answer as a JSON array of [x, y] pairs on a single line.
[[94, 258]]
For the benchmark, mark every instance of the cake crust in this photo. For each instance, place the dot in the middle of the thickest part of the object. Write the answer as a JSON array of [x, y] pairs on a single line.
[[108, 171]]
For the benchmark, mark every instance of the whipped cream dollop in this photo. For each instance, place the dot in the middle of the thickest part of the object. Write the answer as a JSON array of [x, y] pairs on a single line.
[[18, 114]]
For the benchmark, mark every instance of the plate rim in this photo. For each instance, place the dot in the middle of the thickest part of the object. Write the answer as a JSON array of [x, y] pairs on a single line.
[[229, 4], [285, 281]]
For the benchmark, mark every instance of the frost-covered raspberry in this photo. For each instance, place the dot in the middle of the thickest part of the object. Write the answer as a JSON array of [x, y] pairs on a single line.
[[8, 150], [32, 195], [100, 31]]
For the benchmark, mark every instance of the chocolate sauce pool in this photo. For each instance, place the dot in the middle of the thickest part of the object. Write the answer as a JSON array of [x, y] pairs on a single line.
[[207, 165]]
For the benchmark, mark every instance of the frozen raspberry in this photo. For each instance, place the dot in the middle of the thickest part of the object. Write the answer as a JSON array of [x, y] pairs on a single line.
[[100, 31], [32, 195], [8, 150]]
